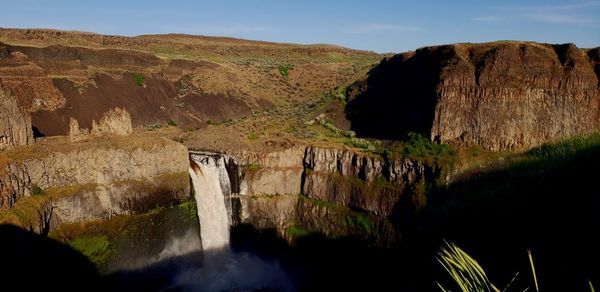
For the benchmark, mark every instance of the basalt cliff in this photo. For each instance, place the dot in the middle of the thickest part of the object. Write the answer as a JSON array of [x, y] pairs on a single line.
[[336, 191], [58, 181], [307, 140], [499, 96]]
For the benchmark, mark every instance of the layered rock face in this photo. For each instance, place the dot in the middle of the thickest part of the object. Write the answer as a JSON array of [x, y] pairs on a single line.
[[15, 124], [337, 192], [269, 186], [277, 172], [359, 181], [499, 96], [91, 183]]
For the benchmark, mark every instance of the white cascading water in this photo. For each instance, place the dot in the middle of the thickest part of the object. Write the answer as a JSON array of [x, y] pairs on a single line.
[[211, 185], [221, 268]]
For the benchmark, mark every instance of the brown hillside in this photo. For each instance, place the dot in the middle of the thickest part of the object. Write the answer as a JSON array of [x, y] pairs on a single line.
[[187, 80]]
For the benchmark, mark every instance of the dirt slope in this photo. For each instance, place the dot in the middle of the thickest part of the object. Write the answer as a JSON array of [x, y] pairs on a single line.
[[190, 81]]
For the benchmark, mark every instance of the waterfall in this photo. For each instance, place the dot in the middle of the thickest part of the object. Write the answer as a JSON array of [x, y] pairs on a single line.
[[221, 269], [211, 185]]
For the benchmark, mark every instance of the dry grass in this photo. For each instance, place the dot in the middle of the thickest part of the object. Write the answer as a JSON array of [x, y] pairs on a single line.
[[464, 270], [469, 276], [61, 144]]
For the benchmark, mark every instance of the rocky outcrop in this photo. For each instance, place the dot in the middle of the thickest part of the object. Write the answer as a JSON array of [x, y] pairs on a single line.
[[274, 173], [337, 192], [90, 183], [277, 212], [356, 180], [500, 96], [15, 124], [116, 121], [76, 133]]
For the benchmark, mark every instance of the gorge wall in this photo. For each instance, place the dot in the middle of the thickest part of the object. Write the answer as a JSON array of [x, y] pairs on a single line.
[[499, 96], [15, 124], [91, 181], [337, 192]]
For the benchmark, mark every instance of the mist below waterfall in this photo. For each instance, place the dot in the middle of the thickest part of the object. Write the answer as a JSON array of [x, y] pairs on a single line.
[[220, 269]]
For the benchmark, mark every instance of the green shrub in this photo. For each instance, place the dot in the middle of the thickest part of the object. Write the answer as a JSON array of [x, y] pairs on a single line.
[[252, 167], [362, 221], [284, 69], [139, 79], [418, 147], [190, 210], [361, 144], [296, 232], [153, 127], [253, 136], [36, 190], [172, 123]]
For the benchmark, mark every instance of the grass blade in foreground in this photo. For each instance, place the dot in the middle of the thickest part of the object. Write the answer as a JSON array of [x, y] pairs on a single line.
[[466, 272], [533, 270]]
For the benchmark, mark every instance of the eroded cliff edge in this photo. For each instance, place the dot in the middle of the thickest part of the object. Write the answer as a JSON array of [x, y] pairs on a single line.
[[15, 124], [333, 191], [499, 96], [57, 181]]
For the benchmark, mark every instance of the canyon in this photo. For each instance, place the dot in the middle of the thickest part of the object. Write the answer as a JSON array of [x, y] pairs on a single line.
[[294, 143]]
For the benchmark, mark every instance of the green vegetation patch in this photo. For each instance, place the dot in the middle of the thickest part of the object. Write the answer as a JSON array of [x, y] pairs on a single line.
[[68, 191], [252, 167], [319, 216], [96, 247], [284, 69], [296, 232], [102, 241], [36, 190], [440, 157], [25, 212], [565, 148], [359, 221], [139, 79]]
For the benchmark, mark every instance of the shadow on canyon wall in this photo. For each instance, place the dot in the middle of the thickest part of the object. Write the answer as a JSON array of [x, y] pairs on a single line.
[[318, 263], [32, 262], [550, 205], [398, 96]]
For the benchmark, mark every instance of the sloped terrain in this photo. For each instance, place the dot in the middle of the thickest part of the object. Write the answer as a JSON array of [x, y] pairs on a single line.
[[190, 81]]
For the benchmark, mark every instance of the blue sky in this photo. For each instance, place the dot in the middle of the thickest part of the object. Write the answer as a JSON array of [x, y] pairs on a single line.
[[382, 26]]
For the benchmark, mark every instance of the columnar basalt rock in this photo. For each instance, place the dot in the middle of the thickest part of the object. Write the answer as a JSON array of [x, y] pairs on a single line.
[[359, 181], [499, 96], [116, 121], [75, 132], [279, 189], [275, 172], [15, 124], [90, 183]]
